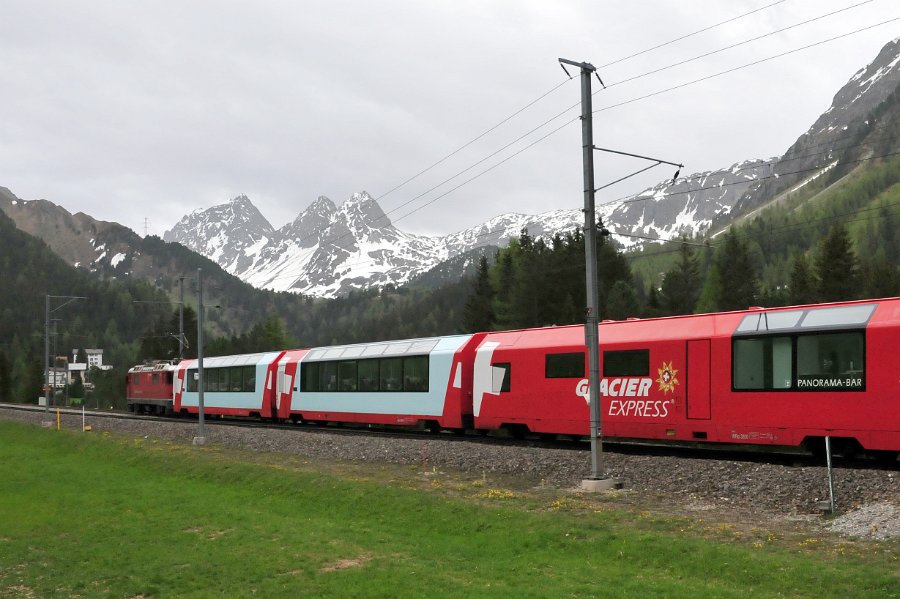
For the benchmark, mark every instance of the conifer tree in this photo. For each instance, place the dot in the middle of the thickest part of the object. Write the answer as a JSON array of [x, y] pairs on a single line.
[[890, 241], [5, 378], [681, 284], [802, 288], [479, 310], [882, 278], [505, 281], [652, 308], [837, 267], [738, 275], [621, 302]]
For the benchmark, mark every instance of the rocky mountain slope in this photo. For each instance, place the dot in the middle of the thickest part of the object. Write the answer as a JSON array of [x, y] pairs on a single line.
[[835, 137], [329, 250]]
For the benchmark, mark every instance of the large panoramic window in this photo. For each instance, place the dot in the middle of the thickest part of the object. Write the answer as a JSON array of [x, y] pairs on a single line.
[[810, 362], [231, 379], [831, 361], [406, 374], [763, 363]]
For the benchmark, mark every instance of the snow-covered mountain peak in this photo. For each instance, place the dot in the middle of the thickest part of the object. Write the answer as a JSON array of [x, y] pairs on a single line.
[[226, 233], [363, 213], [884, 64], [322, 205]]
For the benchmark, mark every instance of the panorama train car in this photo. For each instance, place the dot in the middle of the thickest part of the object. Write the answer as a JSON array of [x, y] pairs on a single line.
[[240, 385], [424, 382], [785, 376], [148, 388]]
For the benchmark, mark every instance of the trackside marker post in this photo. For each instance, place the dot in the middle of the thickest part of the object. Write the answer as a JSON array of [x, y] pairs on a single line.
[[830, 474]]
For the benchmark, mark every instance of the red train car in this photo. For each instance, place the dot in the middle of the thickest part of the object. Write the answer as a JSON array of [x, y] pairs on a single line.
[[784, 376], [148, 388]]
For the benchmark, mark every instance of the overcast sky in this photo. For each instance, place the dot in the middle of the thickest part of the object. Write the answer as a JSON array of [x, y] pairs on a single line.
[[140, 109]]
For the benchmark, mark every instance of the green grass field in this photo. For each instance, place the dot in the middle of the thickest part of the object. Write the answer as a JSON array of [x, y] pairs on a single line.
[[91, 515]]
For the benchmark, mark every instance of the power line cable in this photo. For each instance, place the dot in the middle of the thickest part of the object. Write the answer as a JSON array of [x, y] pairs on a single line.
[[732, 46], [556, 87], [469, 143], [760, 179], [743, 66], [684, 37], [764, 164], [560, 114]]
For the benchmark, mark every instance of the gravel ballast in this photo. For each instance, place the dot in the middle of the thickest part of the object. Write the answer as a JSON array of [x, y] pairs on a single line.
[[867, 499]]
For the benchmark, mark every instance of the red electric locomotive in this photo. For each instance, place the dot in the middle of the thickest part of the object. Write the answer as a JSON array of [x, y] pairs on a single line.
[[148, 388]]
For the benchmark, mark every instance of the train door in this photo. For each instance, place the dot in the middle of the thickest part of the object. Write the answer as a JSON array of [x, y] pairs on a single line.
[[281, 387], [698, 379]]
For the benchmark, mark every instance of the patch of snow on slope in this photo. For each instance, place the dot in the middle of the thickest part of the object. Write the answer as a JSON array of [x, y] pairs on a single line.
[[816, 176]]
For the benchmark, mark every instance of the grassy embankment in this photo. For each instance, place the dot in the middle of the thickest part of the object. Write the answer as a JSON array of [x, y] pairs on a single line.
[[89, 515]]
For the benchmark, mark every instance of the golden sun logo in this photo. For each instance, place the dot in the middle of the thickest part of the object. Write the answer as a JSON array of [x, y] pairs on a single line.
[[667, 380]]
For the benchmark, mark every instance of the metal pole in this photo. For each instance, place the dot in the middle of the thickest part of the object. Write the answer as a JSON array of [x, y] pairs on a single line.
[[201, 434], [181, 319], [47, 312], [55, 367], [47, 361], [592, 311]]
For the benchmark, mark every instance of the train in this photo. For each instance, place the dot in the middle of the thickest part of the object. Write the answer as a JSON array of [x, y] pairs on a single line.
[[787, 376]]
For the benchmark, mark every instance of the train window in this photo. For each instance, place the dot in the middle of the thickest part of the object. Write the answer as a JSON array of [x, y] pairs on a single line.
[[770, 321], [154, 379], [235, 374], [415, 373], [564, 366], [632, 362], [248, 380], [810, 362], [368, 375], [385, 374], [309, 376], [391, 374], [347, 375], [208, 376], [502, 373], [831, 362], [328, 376], [838, 316], [762, 363], [136, 378], [191, 377]]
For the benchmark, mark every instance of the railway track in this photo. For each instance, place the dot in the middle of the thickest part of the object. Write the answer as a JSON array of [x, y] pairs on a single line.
[[785, 456]]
